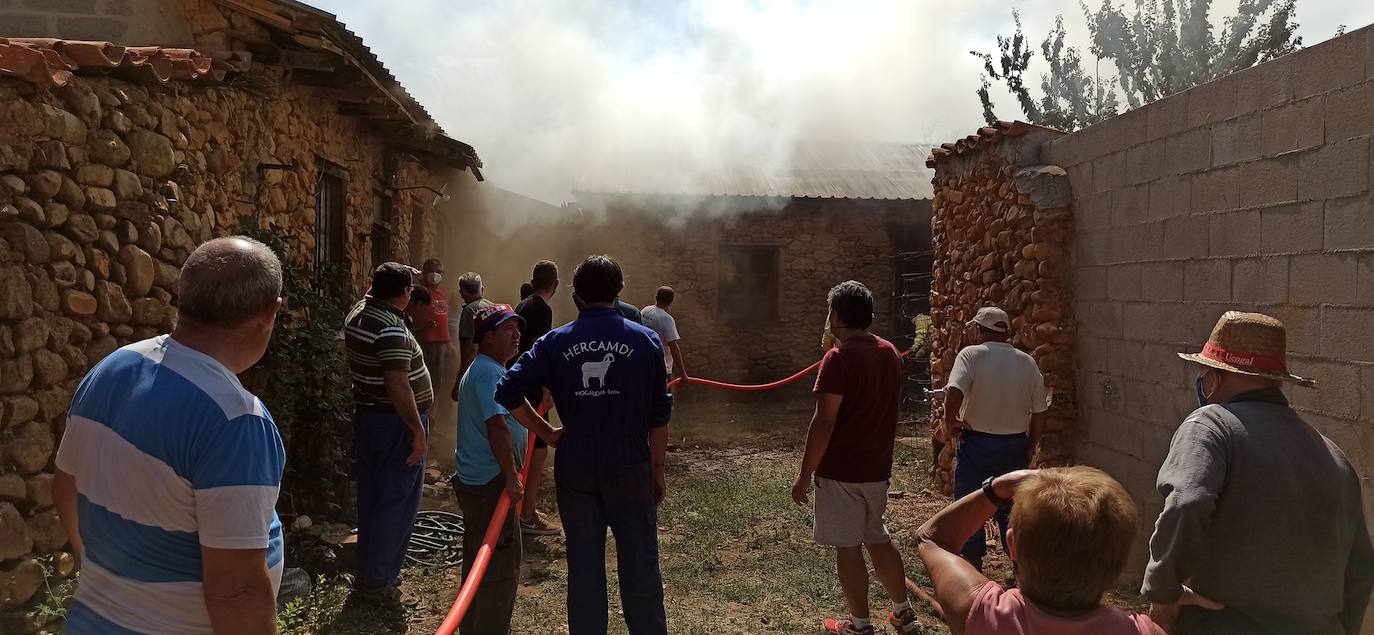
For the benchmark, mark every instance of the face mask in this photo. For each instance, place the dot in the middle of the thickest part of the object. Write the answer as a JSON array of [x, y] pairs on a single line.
[[1202, 399], [434, 278]]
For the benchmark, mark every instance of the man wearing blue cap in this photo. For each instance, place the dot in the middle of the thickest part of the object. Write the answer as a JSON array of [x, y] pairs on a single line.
[[491, 446]]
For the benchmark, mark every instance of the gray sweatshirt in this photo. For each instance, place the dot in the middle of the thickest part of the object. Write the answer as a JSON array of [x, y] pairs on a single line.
[[1263, 514]]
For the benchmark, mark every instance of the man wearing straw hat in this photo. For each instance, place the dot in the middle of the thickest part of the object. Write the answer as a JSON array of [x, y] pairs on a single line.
[[1263, 517]]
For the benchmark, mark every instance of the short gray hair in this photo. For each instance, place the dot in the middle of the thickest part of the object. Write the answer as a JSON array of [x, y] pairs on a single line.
[[228, 281], [470, 282]]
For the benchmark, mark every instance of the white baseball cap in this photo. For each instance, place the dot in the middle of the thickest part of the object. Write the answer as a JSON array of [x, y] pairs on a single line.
[[992, 319]]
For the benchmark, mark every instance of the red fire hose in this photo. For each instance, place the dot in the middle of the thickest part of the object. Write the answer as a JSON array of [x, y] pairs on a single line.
[[479, 563]]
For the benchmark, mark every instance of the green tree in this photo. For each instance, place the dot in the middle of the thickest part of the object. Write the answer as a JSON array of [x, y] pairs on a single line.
[[1160, 48]]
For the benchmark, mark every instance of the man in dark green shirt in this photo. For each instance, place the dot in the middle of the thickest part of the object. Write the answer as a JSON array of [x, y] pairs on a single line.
[[392, 392]]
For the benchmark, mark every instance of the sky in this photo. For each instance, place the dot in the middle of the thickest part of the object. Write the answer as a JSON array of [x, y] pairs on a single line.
[[559, 94]]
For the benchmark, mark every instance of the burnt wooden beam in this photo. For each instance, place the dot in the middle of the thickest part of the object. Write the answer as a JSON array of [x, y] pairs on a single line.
[[342, 78]]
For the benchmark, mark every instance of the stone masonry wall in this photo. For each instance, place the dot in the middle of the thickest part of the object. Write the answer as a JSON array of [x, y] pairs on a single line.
[[1001, 230], [105, 188], [1252, 192]]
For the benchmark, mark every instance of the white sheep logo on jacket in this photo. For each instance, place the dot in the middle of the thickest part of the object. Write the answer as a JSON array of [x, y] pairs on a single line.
[[597, 371]]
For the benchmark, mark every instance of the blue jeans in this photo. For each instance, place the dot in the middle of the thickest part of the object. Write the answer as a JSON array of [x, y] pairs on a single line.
[[619, 497], [981, 455], [388, 494]]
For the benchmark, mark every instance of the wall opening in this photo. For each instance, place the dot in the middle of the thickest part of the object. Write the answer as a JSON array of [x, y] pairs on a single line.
[[748, 288], [330, 216]]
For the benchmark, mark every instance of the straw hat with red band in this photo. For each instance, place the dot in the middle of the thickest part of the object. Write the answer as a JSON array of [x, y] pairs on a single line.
[[1249, 344]]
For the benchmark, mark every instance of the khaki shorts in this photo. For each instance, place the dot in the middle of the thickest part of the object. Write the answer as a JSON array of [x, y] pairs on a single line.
[[850, 514]]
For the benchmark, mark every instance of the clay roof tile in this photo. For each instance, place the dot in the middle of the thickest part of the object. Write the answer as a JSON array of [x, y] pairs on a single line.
[[52, 61]]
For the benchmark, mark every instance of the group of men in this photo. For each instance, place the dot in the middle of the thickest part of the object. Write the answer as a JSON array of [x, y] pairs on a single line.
[[398, 339], [168, 472]]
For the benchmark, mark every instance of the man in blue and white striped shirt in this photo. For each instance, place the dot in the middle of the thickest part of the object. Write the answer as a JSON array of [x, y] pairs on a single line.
[[168, 471]]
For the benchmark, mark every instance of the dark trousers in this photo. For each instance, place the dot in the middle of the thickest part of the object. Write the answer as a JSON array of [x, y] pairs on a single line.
[[979, 456], [388, 494], [621, 498], [494, 603]]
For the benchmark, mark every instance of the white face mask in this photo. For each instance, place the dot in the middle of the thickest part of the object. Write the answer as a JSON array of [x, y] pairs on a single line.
[[434, 277]]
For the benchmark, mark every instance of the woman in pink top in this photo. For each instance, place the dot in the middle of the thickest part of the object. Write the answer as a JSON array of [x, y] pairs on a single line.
[[1071, 531]]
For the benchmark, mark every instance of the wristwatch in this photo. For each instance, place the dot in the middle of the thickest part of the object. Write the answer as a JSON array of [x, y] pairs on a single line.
[[1001, 503]]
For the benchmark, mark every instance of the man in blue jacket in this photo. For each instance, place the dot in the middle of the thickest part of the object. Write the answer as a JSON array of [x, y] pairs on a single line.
[[610, 388]]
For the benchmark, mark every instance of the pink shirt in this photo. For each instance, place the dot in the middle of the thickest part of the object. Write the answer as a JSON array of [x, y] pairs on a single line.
[[997, 611]]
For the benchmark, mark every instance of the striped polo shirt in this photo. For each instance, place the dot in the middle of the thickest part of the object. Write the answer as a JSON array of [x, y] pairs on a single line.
[[170, 454], [377, 341]]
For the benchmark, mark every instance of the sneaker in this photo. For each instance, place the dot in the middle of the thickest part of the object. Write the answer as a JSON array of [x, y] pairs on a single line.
[[375, 596], [538, 526], [905, 622], [845, 626]]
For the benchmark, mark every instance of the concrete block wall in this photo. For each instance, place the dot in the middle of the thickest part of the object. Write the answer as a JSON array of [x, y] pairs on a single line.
[[131, 22], [1252, 192]]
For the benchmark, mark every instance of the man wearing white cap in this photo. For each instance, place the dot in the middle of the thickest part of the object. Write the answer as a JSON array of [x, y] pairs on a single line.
[[994, 403]]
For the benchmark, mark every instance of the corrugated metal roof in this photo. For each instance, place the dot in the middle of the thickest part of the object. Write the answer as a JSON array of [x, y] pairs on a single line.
[[811, 170]]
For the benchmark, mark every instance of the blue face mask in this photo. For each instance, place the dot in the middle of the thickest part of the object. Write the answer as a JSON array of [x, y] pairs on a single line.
[[1201, 396]]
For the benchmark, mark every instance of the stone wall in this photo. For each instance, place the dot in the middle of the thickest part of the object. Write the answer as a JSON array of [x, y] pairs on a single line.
[[1001, 228], [132, 22], [105, 188], [1252, 192]]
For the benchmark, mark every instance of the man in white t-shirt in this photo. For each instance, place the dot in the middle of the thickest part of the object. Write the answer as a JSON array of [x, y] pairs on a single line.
[[658, 317], [995, 401]]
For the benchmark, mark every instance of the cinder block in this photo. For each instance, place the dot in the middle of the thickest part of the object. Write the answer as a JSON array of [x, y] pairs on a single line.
[[1234, 234], [1093, 212], [1123, 282], [1348, 112], [1350, 437], [1188, 151], [1260, 280], [1130, 128], [1337, 169], [1093, 248], [1186, 237], [1190, 323], [1292, 228], [1161, 281], [1142, 321], [1294, 126], [1109, 172], [1130, 205], [1092, 354], [112, 29], [1144, 162], [1350, 222], [1212, 102], [1269, 181], [26, 24], [1364, 277], [1338, 386], [1320, 279], [1102, 319], [1304, 328], [1366, 391], [1333, 64], [1345, 334], [1124, 358], [1170, 197], [1090, 283], [1168, 116], [1216, 190], [1207, 280], [1080, 176], [1237, 140], [1265, 85], [1124, 434]]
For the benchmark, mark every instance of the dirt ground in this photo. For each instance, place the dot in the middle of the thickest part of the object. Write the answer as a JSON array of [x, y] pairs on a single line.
[[736, 553]]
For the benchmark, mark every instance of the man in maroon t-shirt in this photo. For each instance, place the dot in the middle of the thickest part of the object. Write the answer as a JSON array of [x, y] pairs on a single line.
[[849, 453], [431, 320]]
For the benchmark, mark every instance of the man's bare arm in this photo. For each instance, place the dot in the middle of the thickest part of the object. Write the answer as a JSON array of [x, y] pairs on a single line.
[[537, 424], [238, 591], [817, 440], [402, 397], [679, 366], [954, 401], [64, 497]]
